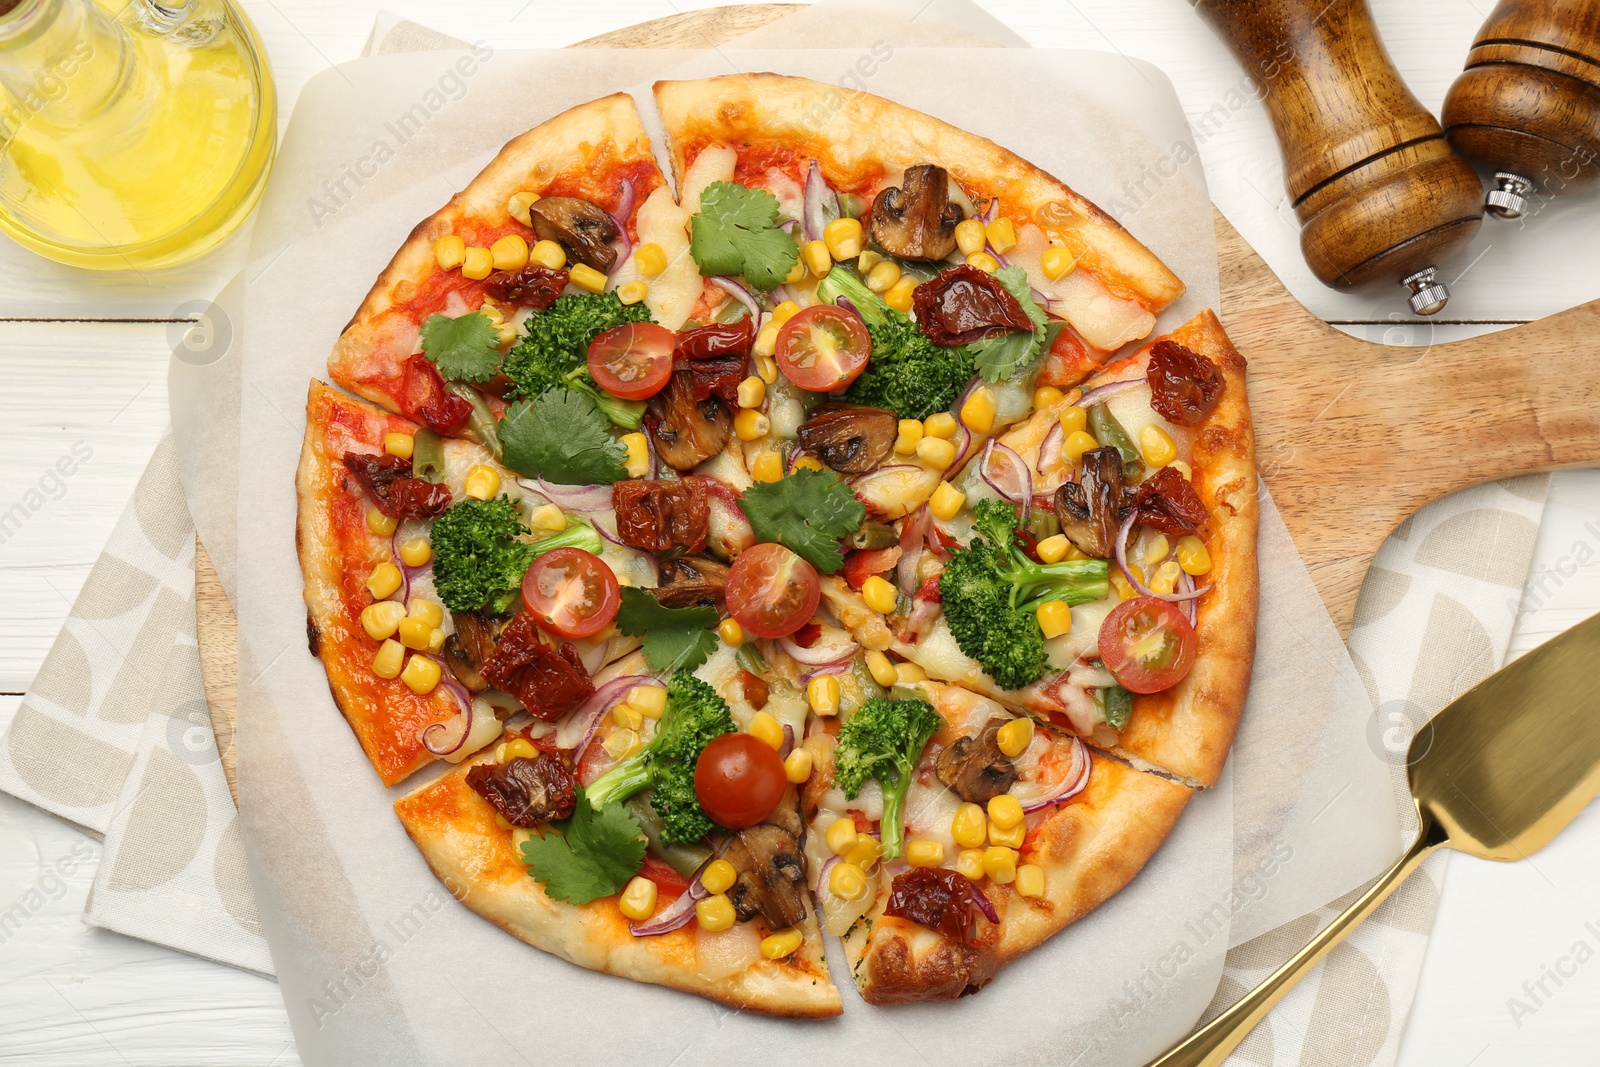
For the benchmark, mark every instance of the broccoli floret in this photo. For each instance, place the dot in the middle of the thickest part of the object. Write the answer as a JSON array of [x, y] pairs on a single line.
[[992, 591], [883, 740], [908, 374], [480, 555], [554, 350], [695, 715]]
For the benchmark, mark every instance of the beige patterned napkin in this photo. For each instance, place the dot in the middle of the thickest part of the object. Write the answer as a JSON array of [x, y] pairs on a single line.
[[114, 735]]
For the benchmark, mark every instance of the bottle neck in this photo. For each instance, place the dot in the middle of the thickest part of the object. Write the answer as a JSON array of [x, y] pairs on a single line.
[[61, 61]]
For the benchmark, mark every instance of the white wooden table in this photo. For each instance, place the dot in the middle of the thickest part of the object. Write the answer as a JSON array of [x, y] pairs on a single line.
[[83, 358]]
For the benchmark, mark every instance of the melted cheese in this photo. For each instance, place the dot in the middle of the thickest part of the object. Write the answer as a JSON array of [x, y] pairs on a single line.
[[671, 295], [1105, 322]]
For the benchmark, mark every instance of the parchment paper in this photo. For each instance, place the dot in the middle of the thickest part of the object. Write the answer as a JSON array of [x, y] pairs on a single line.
[[378, 964]]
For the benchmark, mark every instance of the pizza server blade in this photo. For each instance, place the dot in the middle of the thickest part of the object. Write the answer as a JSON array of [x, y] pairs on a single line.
[[1496, 774]]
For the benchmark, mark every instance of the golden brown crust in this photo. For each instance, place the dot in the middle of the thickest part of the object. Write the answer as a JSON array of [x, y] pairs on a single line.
[[857, 138], [454, 828]]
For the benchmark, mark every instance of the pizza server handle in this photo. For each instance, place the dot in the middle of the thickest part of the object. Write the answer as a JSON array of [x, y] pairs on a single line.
[[1527, 104], [1379, 193]]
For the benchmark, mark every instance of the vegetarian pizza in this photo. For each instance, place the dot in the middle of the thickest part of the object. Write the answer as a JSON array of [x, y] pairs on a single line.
[[821, 541]]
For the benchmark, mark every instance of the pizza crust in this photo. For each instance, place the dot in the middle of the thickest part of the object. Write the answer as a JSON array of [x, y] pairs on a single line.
[[455, 831]]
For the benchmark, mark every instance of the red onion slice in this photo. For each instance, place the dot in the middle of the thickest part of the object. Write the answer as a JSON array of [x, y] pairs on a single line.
[[788, 742], [620, 217], [585, 719], [794, 458], [819, 655], [982, 903], [1101, 392], [1051, 458], [595, 657], [1133, 579], [1190, 611], [584, 498], [822, 874], [1072, 783], [1008, 475], [464, 698], [832, 668], [911, 538], [739, 293], [677, 914], [821, 203]]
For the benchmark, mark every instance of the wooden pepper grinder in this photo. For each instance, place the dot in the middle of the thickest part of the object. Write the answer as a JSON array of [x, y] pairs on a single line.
[[1528, 102], [1377, 189]]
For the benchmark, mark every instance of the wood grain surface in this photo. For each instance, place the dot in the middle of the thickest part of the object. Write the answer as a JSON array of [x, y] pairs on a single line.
[[1352, 436]]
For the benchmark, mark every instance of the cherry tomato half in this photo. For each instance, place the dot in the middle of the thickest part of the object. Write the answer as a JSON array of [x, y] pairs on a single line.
[[571, 593], [633, 360], [823, 348], [739, 779], [1148, 644], [771, 591]]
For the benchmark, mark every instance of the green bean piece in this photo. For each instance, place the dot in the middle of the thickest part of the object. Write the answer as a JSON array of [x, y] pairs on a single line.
[[427, 456], [480, 425], [1117, 703], [1109, 432]]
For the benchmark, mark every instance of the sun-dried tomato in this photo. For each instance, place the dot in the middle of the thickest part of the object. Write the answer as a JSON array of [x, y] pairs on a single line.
[[425, 400], [716, 340], [961, 304], [548, 683], [528, 791], [1167, 502], [756, 690], [387, 479], [662, 516], [1184, 385], [533, 286], [936, 897], [718, 377]]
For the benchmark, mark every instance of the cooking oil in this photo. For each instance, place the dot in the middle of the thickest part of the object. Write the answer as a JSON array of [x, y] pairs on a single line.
[[133, 135]]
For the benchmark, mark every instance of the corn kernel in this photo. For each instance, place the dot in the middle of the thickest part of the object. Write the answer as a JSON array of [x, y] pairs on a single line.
[[970, 237], [435, 640], [421, 674], [867, 260], [936, 452], [1193, 556], [847, 882], [520, 835], [383, 581], [548, 254], [391, 654], [449, 252], [517, 205], [620, 744], [519, 748], [651, 700], [1015, 736], [1000, 864], [632, 292], [767, 467], [841, 835], [638, 901], [882, 669], [809, 463], [715, 913], [797, 273], [864, 853], [764, 726], [924, 853], [416, 552], [731, 632], [879, 594], [910, 433], [382, 619], [940, 424], [1122, 587], [784, 312], [752, 392], [1010, 836], [381, 524], [766, 341], [1182, 468], [547, 519], [969, 864], [627, 717], [1005, 811], [1002, 235], [767, 369], [882, 278], [797, 765], [1030, 880], [822, 693], [426, 610], [1157, 446], [751, 425], [784, 943], [502, 822], [414, 633], [510, 252], [1156, 550], [650, 258], [1074, 419], [1056, 263], [909, 674], [843, 238], [1046, 395], [638, 462], [817, 258], [587, 278], [977, 414], [983, 261], [719, 876], [1055, 618], [1053, 549], [398, 444], [482, 482], [477, 264], [946, 501], [1077, 443], [1165, 578], [969, 826], [900, 294]]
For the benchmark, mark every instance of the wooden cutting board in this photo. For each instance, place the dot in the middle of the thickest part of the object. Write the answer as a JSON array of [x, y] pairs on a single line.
[[1351, 436]]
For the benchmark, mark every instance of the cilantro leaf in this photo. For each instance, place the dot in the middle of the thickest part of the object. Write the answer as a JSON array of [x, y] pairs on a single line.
[[999, 357], [675, 639], [585, 857], [465, 349], [561, 436], [809, 512], [736, 232]]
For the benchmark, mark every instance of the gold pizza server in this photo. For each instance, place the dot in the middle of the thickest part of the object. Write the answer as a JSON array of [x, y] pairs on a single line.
[[1496, 774]]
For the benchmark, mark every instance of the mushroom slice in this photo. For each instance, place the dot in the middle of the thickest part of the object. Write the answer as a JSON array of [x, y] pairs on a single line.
[[473, 642], [688, 432], [850, 438], [690, 581], [917, 219], [1088, 508], [584, 230], [772, 876], [974, 767]]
